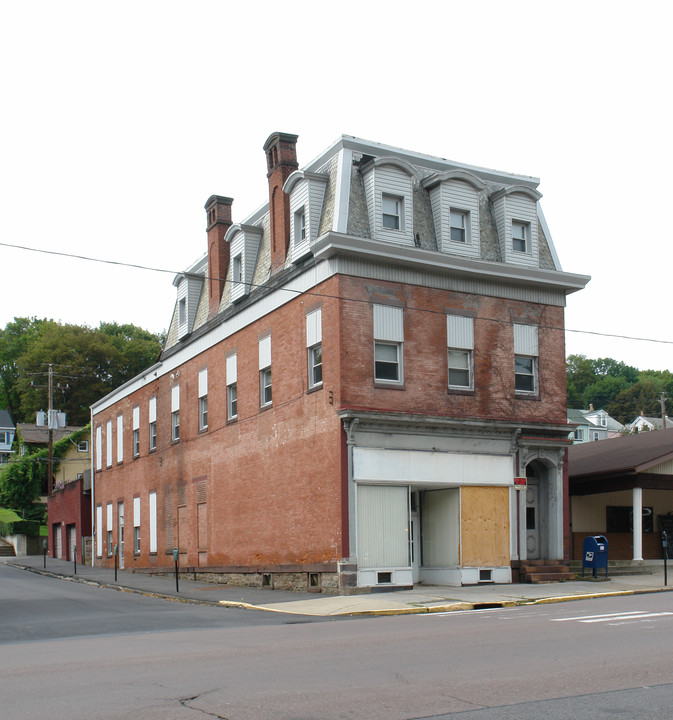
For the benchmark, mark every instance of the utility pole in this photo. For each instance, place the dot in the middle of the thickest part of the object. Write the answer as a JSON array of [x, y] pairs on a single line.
[[662, 400], [50, 425]]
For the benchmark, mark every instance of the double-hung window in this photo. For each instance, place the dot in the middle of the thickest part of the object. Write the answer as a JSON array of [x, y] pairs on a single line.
[[391, 212], [520, 235], [459, 220], [300, 226], [232, 394], [237, 268], [136, 431], [175, 413], [314, 347], [388, 344], [265, 371], [152, 424], [525, 359], [203, 399], [460, 344]]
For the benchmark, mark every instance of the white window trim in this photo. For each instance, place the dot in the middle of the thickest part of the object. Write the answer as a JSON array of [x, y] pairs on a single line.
[[398, 215], [265, 383], [389, 332], [203, 399], [525, 226], [313, 344], [533, 374], [469, 369], [466, 227], [398, 363]]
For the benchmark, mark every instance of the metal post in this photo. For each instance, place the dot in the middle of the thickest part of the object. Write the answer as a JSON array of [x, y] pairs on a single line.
[[74, 559], [175, 557], [115, 555], [44, 551], [664, 544]]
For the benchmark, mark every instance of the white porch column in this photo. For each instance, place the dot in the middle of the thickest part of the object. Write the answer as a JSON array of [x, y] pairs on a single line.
[[637, 523]]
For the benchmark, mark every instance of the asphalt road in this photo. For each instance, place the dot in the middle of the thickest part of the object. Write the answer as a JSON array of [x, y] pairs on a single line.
[[583, 660]]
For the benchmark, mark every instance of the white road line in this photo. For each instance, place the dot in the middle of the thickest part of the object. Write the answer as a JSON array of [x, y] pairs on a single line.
[[606, 615], [624, 617]]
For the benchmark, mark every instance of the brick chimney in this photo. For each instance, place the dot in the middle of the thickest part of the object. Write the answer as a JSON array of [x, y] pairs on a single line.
[[218, 214], [281, 162]]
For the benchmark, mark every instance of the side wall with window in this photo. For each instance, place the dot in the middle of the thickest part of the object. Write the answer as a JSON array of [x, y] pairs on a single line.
[[484, 358]]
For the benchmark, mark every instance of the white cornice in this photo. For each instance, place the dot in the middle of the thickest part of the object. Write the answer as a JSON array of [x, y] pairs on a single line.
[[331, 244]]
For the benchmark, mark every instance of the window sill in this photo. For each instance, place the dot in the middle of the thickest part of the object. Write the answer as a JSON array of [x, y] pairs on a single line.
[[389, 386], [460, 391], [203, 430], [232, 421], [315, 388], [268, 406], [519, 395]]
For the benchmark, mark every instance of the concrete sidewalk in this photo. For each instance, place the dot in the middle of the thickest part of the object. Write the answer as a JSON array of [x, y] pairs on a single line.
[[419, 600]]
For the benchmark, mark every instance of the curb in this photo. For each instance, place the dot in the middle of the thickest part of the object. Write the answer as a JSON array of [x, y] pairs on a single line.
[[418, 610], [118, 588]]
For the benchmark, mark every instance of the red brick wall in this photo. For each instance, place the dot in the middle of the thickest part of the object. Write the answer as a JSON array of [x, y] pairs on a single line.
[[69, 506], [425, 363], [276, 479], [273, 477]]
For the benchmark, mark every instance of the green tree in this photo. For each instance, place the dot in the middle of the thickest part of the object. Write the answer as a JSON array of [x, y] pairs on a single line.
[[87, 362], [15, 339], [642, 398]]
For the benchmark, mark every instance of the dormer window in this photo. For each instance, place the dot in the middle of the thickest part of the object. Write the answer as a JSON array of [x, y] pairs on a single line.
[[520, 235], [244, 243], [388, 189], [459, 226], [307, 193], [189, 285], [454, 198], [300, 226], [236, 268], [516, 215], [391, 209]]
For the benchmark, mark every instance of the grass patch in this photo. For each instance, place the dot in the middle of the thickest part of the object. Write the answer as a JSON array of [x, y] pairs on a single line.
[[8, 516]]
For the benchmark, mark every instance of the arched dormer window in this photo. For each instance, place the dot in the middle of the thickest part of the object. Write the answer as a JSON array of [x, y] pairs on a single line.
[[515, 209], [388, 189], [244, 243], [307, 193], [454, 198], [189, 291]]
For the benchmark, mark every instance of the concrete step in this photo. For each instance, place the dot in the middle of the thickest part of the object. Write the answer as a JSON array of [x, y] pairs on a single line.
[[539, 578], [6, 549]]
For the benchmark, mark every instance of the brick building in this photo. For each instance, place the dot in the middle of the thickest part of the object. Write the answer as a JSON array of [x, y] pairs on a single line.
[[352, 379]]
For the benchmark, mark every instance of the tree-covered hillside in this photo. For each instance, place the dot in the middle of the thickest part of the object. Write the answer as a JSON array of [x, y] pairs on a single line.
[[87, 364], [624, 392]]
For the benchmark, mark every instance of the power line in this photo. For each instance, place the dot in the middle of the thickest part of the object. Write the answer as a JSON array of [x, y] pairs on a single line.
[[313, 293]]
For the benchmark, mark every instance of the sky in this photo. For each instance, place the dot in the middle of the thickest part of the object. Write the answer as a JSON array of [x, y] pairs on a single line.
[[119, 120]]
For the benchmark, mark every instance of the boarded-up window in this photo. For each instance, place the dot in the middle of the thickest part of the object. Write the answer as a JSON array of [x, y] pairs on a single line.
[[169, 519], [153, 522], [383, 526]]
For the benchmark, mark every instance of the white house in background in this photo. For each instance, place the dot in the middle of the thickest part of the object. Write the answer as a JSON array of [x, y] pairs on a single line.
[[7, 433], [593, 425], [645, 423]]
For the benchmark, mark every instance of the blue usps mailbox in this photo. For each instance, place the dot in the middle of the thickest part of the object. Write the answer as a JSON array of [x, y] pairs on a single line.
[[595, 553]]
